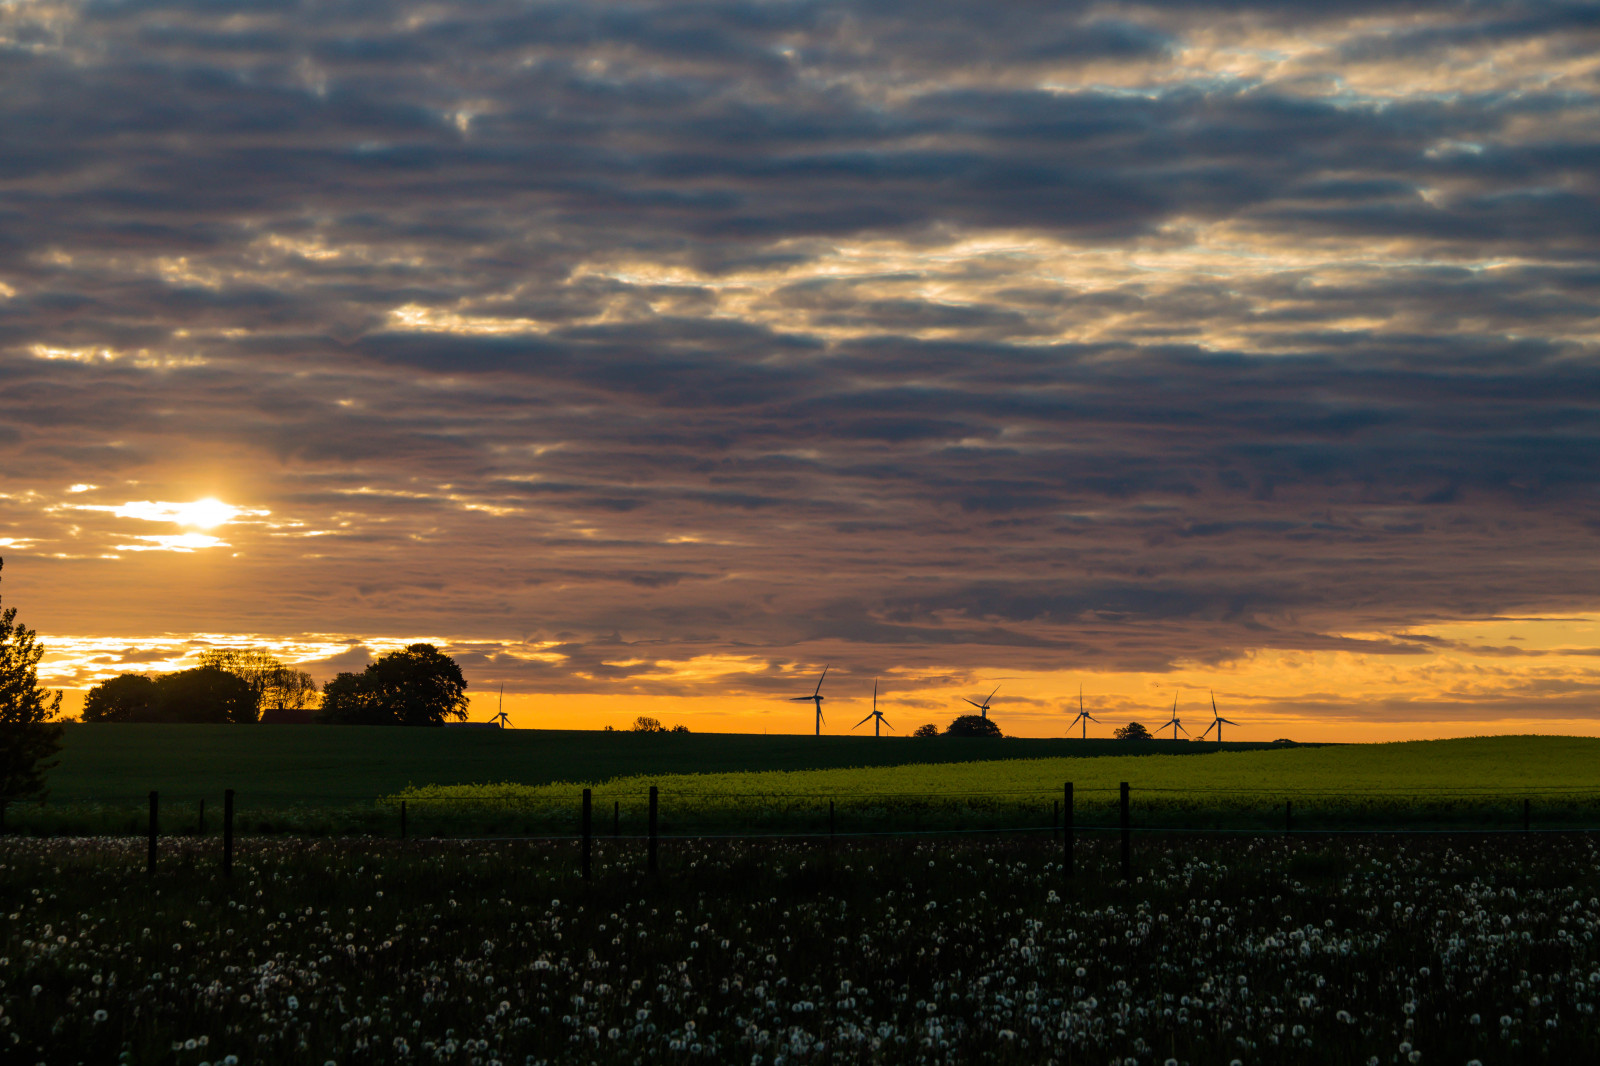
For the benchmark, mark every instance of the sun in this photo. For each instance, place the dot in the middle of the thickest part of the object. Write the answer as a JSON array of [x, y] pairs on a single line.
[[203, 514]]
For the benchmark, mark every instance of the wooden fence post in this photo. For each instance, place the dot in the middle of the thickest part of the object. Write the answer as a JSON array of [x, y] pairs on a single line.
[[588, 838], [830, 823], [650, 862], [227, 833], [150, 858], [616, 818], [1127, 837], [1068, 829], [402, 819]]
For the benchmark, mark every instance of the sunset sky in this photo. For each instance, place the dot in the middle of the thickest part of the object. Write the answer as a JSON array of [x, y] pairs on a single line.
[[649, 357]]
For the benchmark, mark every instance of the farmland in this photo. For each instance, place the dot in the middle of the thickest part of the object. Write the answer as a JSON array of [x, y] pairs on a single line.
[[350, 780], [479, 953], [1472, 781], [331, 765]]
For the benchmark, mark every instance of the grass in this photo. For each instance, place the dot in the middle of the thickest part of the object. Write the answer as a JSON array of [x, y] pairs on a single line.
[[320, 766], [341, 781], [473, 954], [1476, 781]]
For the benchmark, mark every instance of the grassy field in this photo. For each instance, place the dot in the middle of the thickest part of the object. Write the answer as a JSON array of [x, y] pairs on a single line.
[[470, 953], [1469, 781], [280, 766], [463, 782]]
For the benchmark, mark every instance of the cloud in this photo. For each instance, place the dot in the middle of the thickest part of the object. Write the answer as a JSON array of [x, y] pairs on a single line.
[[963, 338]]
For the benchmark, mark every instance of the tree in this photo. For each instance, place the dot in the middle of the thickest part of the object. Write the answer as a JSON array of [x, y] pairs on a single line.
[[1131, 731], [418, 685], [125, 698], [273, 683], [28, 737], [972, 725], [929, 730], [645, 724], [205, 694]]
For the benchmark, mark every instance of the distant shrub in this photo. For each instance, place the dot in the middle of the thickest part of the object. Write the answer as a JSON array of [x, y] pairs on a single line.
[[1132, 731], [972, 725], [929, 730]]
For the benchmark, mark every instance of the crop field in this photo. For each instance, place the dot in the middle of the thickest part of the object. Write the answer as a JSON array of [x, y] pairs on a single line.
[[484, 954], [353, 781], [326, 766], [1478, 782]]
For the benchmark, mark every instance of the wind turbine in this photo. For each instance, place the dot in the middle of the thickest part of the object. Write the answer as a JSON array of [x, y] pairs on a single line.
[[500, 716], [1083, 716], [984, 706], [881, 720], [1218, 722], [816, 697], [1176, 726]]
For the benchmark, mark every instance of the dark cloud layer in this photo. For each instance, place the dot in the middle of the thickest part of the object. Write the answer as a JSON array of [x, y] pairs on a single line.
[[941, 335]]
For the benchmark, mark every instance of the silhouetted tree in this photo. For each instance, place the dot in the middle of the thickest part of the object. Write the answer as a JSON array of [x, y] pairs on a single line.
[[205, 694], [929, 730], [972, 725], [125, 698], [645, 724], [416, 686], [274, 684], [28, 738], [1131, 731]]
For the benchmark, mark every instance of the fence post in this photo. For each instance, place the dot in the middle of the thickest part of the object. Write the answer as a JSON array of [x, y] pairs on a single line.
[[1127, 837], [1067, 829], [1055, 819], [1288, 818], [227, 833], [402, 819], [150, 858], [616, 818], [588, 840], [830, 823], [1527, 815], [202, 831], [650, 862]]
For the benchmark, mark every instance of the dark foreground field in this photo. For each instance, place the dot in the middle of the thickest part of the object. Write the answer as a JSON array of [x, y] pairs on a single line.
[[280, 766], [1440, 950]]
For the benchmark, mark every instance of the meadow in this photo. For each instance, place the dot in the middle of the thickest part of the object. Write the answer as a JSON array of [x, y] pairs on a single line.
[[1459, 950], [341, 781]]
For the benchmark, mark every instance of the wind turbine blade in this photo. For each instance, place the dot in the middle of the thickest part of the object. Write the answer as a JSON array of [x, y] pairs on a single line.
[[863, 722], [990, 696], [1214, 703], [1227, 721], [820, 680], [885, 721], [977, 705], [874, 695], [801, 699], [1177, 727]]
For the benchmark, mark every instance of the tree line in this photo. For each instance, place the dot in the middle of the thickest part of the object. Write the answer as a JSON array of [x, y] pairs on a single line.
[[417, 685]]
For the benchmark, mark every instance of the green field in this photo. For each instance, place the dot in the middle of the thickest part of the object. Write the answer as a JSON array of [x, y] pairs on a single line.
[[461, 782], [1454, 781], [281, 766]]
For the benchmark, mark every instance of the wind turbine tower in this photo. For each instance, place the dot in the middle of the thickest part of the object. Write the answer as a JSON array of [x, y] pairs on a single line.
[[816, 697], [1083, 716], [876, 714], [983, 707]]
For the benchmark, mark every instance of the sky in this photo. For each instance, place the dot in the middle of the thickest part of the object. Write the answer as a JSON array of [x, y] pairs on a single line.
[[650, 357]]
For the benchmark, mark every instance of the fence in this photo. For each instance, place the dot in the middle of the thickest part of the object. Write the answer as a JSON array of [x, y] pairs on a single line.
[[1064, 824]]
